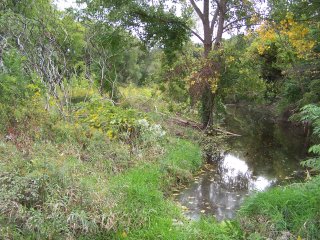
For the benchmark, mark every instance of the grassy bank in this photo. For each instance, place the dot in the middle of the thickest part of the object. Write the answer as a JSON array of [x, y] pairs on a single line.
[[142, 203], [291, 212], [52, 195], [107, 172]]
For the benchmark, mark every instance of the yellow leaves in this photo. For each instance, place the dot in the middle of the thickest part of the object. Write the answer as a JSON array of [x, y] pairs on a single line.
[[290, 32], [297, 35], [184, 208], [214, 87], [261, 49], [267, 35]]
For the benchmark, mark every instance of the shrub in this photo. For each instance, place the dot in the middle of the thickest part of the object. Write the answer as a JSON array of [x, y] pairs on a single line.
[[311, 113]]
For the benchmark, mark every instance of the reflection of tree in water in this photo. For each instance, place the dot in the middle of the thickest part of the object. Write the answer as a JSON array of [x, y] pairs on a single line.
[[230, 181], [269, 148], [264, 153]]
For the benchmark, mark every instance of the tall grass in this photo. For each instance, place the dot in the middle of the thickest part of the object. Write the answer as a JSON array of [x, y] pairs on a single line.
[[144, 211], [293, 210]]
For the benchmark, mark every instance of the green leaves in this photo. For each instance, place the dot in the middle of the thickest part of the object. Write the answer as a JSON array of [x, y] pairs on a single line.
[[13, 82], [311, 113], [152, 23], [315, 149], [313, 163], [101, 115]]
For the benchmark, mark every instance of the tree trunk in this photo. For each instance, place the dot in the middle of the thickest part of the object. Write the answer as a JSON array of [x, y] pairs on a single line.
[[218, 17], [207, 106], [207, 49], [208, 97]]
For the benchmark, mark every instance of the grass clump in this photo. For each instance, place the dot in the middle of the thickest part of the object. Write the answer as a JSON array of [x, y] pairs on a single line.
[[292, 211], [143, 211]]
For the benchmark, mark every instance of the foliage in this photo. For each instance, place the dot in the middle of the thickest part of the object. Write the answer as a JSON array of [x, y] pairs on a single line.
[[242, 79], [295, 35], [287, 46], [311, 113], [177, 74], [115, 56], [51, 44], [54, 194], [86, 154], [103, 116], [146, 213], [292, 211], [69, 189], [159, 25], [15, 88]]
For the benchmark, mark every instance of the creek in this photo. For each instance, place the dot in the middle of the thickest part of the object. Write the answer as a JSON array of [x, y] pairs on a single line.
[[266, 154]]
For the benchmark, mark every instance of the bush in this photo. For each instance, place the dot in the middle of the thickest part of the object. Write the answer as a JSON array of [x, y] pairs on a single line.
[[311, 113], [15, 87], [101, 115]]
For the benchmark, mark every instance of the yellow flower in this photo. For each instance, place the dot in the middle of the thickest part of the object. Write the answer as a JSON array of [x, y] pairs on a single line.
[[110, 134]]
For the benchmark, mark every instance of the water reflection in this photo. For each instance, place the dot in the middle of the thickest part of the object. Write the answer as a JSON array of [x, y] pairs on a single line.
[[222, 189], [235, 173], [266, 153]]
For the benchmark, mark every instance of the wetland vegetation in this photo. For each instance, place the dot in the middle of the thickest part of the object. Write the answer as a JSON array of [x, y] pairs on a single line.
[[159, 119]]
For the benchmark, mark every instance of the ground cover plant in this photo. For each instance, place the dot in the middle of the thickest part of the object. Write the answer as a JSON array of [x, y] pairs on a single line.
[[107, 107]]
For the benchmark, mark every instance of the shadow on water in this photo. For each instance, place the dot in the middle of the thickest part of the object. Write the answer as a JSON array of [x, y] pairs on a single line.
[[267, 154]]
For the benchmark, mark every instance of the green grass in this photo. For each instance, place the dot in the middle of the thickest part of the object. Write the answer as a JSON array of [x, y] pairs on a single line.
[[55, 193], [293, 209], [60, 180], [143, 210]]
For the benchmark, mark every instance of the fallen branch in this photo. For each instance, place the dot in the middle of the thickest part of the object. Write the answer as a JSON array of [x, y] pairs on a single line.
[[199, 126], [226, 132], [188, 123]]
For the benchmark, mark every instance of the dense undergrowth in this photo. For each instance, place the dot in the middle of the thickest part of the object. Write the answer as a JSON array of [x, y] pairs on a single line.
[[106, 172], [85, 154], [103, 172]]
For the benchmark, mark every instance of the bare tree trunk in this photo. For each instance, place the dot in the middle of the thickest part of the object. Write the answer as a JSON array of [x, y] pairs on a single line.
[[206, 29], [222, 7]]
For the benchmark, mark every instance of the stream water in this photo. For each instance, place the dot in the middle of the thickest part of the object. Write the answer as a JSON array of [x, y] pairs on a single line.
[[267, 154]]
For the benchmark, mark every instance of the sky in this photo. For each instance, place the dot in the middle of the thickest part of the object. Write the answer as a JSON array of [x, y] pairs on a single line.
[[63, 4]]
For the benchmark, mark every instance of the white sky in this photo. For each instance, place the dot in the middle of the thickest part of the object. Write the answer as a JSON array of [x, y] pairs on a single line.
[[63, 4]]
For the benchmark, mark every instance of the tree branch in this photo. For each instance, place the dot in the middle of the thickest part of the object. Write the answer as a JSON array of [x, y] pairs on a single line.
[[219, 5], [236, 21], [214, 19], [197, 35], [197, 9]]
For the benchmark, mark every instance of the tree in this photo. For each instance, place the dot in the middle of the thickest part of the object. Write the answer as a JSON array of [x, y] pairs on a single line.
[[157, 24], [217, 17], [50, 42], [288, 41], [152, 22]]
